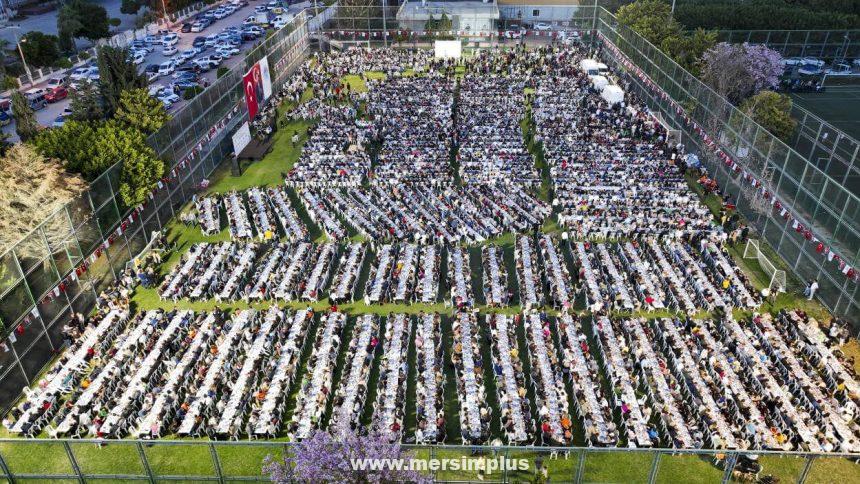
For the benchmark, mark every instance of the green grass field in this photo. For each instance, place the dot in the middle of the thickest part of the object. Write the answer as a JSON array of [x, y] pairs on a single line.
[[179, 457], [838, 105]]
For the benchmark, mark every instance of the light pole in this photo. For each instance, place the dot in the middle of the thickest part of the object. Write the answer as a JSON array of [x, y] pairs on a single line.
[[166, 16], [18, 40]]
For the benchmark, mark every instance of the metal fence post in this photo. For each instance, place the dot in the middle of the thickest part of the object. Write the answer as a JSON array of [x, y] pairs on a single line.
[[73, 461], [6, 470], [145, 462], [731, 459], [802, 478], [655, 466], [580, 468], [216, 462]]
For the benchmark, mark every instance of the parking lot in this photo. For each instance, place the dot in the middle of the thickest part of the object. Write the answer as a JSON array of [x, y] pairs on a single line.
[[47, 115]]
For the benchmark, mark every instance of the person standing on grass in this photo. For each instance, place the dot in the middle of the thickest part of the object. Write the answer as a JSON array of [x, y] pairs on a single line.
[[813, 286]]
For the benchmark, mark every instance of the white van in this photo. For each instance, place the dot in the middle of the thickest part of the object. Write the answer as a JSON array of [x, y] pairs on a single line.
[[589, 67], [612, 94], [598, 82], [281, 20]]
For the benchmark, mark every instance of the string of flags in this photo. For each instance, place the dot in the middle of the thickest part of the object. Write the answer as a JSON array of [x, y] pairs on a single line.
[[776, 204], [132, 218], [364, 34]]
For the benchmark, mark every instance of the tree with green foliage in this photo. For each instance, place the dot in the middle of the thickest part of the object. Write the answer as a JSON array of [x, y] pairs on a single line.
[[130, 7], [116, 75], [26, 124], [74, 143], [769, 14], [687, 50], [40, 49], [81, 18], [141, 111], [651, 19], [773, 111], [90, 148], [86, 103], [141, 168]]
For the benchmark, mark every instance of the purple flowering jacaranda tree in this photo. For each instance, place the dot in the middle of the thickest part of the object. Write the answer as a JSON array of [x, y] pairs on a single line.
[[326, 458]]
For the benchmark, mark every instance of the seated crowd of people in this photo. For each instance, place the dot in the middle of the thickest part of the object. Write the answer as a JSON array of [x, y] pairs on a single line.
[[764, 382], [652, 274], [491, 147], [613, 170], [271, 211], [424, 213]]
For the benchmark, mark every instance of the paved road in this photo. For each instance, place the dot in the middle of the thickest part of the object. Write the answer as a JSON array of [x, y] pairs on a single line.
[[47, 115], [47, 23]]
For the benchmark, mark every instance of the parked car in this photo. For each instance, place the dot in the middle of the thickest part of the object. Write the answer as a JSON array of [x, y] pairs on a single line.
[[213, 60], [812, 61], [792, 61], [810, 70], [183, 84], [57, 82], [36, 97], [166, 68], [138, 58], [211, 40], [57, 94], [219, 13], [281, 20], [59, 121], [197, 27], [542, 26], [254, 29], [5, 118], [170, 50], [187, 55], [260, 9], [81, 73], [227, 51], [152, 40], [839, 68], [186, 27], [168, 97], [170, 39]]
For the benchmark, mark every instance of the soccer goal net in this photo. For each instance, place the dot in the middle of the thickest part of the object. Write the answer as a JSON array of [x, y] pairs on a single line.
[[777, 276]]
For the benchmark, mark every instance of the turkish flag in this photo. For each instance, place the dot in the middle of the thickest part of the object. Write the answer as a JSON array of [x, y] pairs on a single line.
[[250, 85]]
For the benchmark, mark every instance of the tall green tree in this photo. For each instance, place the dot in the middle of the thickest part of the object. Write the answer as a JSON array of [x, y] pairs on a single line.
[[81, 18], [117, 74], [75, 144], [130, 7], [26, 124], [40, 49], [772, 111], [86, 103], [687, 50], [652, 19], [141, 168], [140, 110]]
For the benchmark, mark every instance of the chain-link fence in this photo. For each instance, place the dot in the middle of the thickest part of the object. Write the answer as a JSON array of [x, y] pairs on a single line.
[[37, 297], [819, 201], [196, 461], [822, 44]]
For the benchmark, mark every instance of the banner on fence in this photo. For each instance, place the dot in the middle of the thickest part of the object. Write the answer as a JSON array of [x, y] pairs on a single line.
[[258, 86]]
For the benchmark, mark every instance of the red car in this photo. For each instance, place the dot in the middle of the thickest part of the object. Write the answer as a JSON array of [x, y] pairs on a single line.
[[57, 94]]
